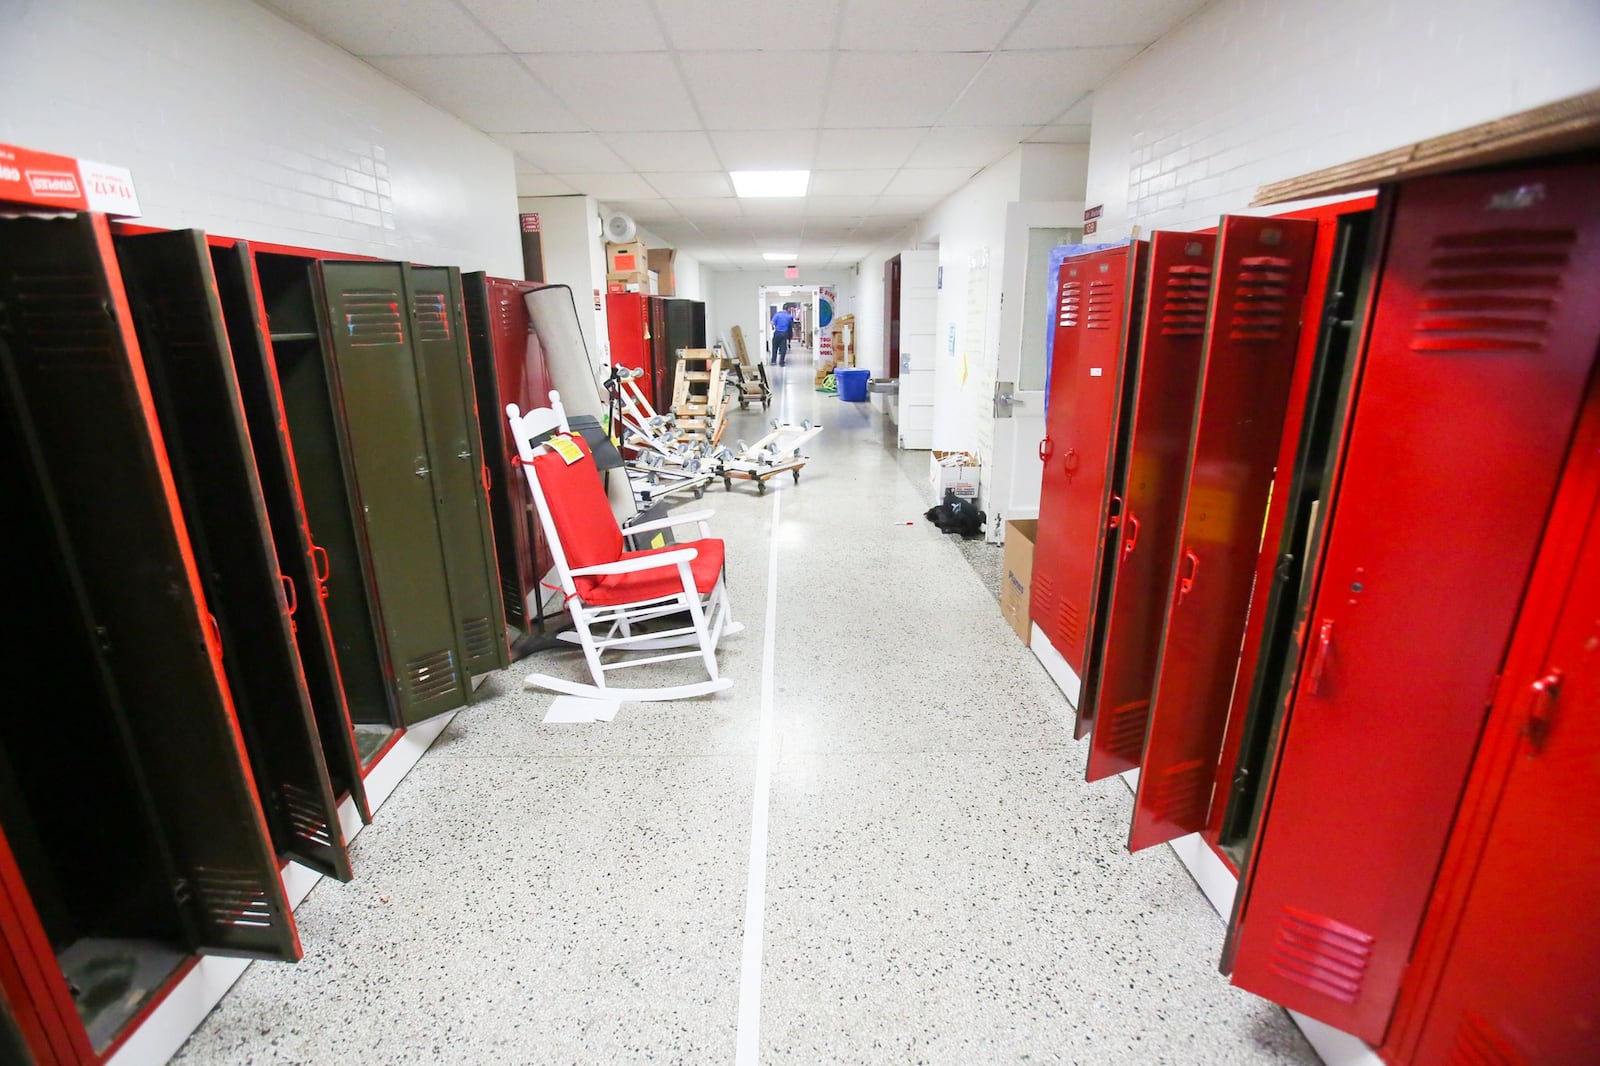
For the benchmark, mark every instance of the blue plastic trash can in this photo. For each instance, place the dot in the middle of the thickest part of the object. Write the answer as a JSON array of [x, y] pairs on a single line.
[[852, 382]]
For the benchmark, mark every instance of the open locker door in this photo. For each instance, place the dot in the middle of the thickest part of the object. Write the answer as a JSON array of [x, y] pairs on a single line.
[[455, 447], [44, 1020], [1485, 308], [1167, 375], [1086, 398], [85, 410], [291, 531], [1252, 333], [178, 319], [374, 380]]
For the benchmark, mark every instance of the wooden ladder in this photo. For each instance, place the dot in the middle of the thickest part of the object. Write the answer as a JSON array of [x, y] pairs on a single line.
[[697, 392]]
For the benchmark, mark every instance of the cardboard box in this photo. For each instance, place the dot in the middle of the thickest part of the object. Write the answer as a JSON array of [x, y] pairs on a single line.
[[957, 471], [1016, 580], [630, 258], [632, 281], [660, 261]]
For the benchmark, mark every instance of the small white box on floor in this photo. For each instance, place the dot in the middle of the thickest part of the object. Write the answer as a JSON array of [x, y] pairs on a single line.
[[957, 471]]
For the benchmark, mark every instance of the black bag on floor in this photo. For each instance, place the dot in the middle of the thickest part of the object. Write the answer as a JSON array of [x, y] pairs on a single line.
[[956, 515]]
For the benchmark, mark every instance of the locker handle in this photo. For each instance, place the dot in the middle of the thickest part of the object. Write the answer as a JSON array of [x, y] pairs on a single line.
[[1132, 538], [319, 562], [216, 632], [1319, 664], [1114, 515], [1047, 448], [1069, 462], [1187, 583], [289, 593], [484, 469], [1542, 712]]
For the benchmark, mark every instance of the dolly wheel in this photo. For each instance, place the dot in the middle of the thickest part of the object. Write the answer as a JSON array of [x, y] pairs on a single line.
[[761, 487], [727, 484], [796, 474]]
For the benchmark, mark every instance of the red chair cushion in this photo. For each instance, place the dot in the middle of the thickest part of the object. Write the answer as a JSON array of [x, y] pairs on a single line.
[[608, 590], [582, 515]]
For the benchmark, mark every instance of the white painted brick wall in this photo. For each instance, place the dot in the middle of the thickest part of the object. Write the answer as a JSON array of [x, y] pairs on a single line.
[[1254, 91], [235, 121]]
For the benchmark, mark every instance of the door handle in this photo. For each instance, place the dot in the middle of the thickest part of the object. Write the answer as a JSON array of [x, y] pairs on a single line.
[[1132, 538], [487, 480], [1047, 448], [1319, 662], [321, 567], [1114, 515], [1542, 711], [289, 593], [1187, 583]]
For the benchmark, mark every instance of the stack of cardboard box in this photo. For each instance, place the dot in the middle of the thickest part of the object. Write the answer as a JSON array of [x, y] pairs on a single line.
[[628, 268]]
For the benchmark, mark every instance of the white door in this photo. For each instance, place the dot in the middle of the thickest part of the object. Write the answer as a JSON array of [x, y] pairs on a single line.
[[919, 315], [1013, 470]]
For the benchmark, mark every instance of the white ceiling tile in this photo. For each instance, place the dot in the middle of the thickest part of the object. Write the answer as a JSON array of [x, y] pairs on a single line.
[[933, 182], [1079, 114], [621, 91], [656, 151], [542, 185], [564, 153], [746, 25], [390, 27], [849, 182], [869, 149], [1018, 88], [953, 25], [764, 149], [493, 93], [651, 212], [840, 205], [564, 26], [896, 88], [611, 186], [1061, 135], [758, 90], [769, 207], [690, 183], [1088, 23], [967, 146], [905, 205], [698, 207]]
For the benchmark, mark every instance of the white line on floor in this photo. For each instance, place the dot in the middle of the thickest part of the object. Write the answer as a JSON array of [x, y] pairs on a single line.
[[747, 1043]]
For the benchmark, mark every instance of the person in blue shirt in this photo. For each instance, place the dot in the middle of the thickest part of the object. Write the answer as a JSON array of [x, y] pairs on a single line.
[[781, 323]]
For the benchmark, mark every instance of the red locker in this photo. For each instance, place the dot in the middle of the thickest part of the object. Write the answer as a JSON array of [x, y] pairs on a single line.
[[1527, 821], [628, 326], [1482, 338], [1076, 509], [1260, 275], [1167, 373]]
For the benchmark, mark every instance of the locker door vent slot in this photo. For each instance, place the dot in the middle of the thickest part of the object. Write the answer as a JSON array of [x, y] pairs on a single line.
[[305, 815], [1183, 308], [432, 314], [1261, 300], [65, 327], [1180, 795], [1125, 728], [372, 317], [479, 634], [1321, 954], [1484, 291], [1071, 622], [507, 311], [1477, 1044], [1044, 595], [511, 592], [232, 898], [1071, 303], [431, 675], [1101, 311]]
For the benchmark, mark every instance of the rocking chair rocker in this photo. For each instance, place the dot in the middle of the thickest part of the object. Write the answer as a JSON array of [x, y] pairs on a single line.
[[610, 590]]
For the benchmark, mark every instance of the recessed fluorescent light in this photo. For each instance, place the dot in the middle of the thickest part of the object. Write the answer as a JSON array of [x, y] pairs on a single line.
[[778, 257], [752, 183]]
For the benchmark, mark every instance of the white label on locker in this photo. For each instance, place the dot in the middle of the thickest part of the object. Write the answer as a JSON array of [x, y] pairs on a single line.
[[1095, 371]]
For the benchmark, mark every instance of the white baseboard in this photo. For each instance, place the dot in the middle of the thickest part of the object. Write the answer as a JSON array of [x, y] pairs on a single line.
[[1065, 677], [187, 1003]]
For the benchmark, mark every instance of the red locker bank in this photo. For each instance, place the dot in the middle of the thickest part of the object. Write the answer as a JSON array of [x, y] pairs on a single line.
[[1478, 345], [1096, 305]]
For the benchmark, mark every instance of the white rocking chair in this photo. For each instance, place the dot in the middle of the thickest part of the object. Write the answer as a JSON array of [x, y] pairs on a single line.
[[610, 590]]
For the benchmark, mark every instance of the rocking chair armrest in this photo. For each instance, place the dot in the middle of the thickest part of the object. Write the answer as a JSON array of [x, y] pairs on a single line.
[[638, 563], [668, 522]]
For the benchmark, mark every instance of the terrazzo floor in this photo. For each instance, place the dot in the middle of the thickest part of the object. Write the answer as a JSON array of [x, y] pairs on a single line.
[[942, 886]]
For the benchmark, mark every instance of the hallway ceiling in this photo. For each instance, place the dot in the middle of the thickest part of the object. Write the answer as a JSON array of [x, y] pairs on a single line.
[[646, 104]]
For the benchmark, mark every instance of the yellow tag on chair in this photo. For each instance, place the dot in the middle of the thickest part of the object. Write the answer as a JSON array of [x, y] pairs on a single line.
[[567, 448]]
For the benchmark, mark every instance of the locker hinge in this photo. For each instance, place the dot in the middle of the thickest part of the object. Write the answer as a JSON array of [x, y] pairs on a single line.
[[102, 637], [1285, 567], [180, 891]]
